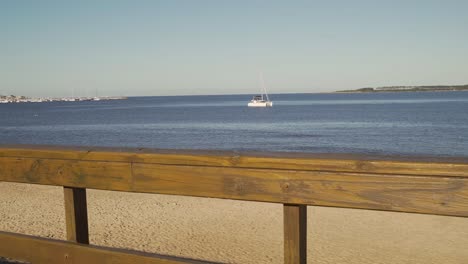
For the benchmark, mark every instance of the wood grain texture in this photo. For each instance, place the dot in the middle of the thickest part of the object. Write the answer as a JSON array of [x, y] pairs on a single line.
[[436, 166], [76, 215], [48, 251], [63, 172], [295, 234], [427, 192]]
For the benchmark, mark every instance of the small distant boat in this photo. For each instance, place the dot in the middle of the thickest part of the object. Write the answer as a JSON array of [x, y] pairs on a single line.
[[261, 100]]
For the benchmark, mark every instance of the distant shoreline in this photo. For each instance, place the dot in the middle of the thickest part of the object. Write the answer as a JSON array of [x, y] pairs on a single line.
[[432, 88], [23, 99]]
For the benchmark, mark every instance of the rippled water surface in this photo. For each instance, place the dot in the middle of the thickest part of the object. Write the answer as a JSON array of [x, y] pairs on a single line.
[[382, 123]]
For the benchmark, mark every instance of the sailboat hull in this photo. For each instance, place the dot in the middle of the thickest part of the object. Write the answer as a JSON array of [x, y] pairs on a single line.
[[260, 104]]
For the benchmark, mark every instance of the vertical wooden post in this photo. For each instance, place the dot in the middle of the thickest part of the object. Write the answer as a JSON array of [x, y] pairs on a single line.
[[76, 214], [295, 234]]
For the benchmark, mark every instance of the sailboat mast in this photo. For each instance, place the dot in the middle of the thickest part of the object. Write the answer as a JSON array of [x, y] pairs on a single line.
[[262, 84], [260, 77]]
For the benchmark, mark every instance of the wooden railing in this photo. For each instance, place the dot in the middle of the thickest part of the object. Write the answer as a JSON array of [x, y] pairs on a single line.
[[426, 185]]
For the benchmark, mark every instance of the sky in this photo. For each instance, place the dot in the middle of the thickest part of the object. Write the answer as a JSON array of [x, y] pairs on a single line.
[[174, 47]]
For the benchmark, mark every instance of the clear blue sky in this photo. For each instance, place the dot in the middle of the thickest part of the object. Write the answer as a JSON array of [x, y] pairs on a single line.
[[57, 48]]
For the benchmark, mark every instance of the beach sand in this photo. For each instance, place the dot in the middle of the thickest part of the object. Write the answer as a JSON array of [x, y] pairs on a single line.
[[234, 231]]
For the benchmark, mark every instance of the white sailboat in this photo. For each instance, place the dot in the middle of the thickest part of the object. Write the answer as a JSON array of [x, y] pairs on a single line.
[[261, 100]]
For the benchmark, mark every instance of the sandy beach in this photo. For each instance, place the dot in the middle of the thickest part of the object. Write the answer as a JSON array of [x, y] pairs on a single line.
[[235, 231]]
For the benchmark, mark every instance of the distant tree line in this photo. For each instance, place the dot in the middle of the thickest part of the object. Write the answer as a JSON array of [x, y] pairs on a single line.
[[425, 88]]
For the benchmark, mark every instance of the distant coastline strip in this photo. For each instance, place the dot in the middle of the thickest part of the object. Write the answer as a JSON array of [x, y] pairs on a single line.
[[23, 99], [429, 88]]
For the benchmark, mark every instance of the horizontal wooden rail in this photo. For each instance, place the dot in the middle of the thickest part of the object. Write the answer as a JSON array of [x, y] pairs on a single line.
[[428, 187], [42, 250], [414, 185], [438, 166]]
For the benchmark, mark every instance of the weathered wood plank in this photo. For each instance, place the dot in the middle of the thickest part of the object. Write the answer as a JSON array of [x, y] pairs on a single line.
[[295, 234], [289, 161], [435, 195], [47, 251], [73, 173], [390, 192], [76, 215]]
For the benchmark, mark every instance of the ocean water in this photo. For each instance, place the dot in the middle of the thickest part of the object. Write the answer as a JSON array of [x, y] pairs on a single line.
[[424, 123]]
